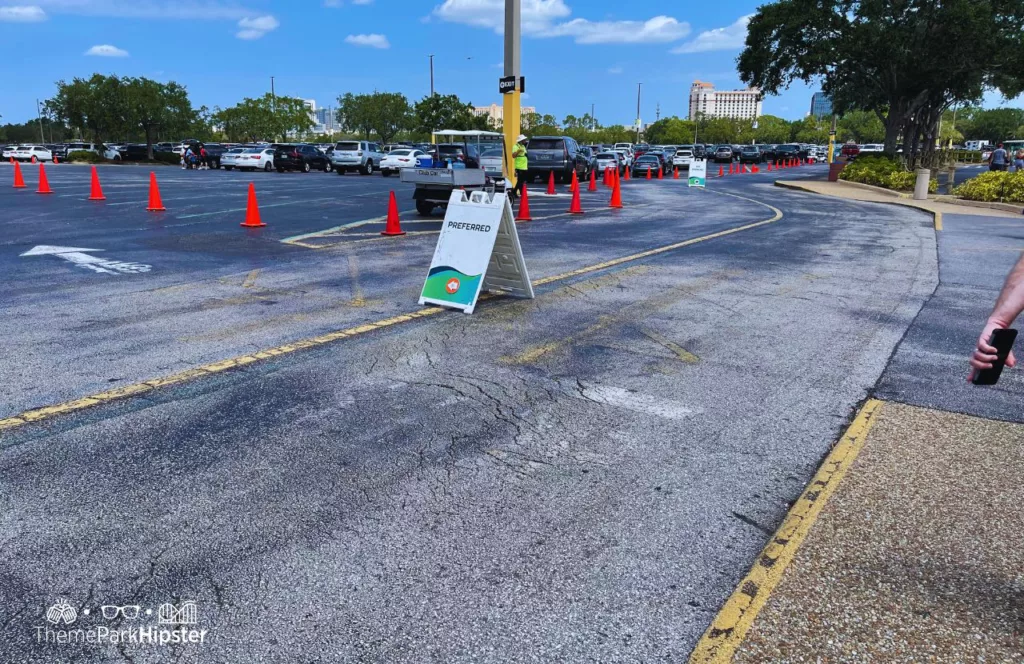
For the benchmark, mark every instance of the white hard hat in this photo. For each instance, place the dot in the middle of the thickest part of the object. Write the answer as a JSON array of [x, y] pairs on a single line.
[[522, 137]]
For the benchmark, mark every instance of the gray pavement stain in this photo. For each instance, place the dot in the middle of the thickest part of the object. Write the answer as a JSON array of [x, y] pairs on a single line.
[[406, 495]]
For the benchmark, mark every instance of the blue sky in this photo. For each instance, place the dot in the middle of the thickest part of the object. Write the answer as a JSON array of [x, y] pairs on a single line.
[[575, 52]]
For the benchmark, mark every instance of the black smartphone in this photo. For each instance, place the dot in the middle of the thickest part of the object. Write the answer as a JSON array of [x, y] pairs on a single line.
[[1003, 340]]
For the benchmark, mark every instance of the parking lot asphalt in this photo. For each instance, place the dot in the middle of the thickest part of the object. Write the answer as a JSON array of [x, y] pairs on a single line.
[[215, 290], [584, 476], [975, 254]]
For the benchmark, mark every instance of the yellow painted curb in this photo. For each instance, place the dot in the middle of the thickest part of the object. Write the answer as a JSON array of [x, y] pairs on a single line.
[[136, 389], [719, 643]]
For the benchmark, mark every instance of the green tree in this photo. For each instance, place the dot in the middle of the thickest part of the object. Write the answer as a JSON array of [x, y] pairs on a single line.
[[267, 117], [995, 124], [861, 127], [388, 113], [438, 112], [153, 106], [670, 131], [771, 129], [811, 130], [96, 107], [906, 61]]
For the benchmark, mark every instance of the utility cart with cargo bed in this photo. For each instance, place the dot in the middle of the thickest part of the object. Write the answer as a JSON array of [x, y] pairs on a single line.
[[455, 164]]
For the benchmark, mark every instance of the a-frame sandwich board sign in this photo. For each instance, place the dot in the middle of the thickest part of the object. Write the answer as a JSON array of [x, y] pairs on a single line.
[[478, 250]]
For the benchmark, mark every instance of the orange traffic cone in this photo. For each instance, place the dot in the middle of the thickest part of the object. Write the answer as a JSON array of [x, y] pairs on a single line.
[[616, 201], [252, 210], [659, 173], [593, 182], [675, 173], [575, 184], [44, 184], [648, 172], [551, 184], [95, 192], [55, 159], [755, 169], [19, 182], [607, 181], [626, 175], [769, 166], [524, 206], [33, 159], [393, 226], [575, 207], [721, 171], [155, 204]]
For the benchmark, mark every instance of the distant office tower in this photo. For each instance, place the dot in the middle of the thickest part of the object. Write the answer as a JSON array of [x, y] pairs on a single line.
[[821, 105], [742, 104], [496, 112]]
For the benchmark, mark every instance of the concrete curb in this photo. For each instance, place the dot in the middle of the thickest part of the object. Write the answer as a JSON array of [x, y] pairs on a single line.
[[871, 187], [905, 201], [1007, 207], [723, 638], [941, 198]]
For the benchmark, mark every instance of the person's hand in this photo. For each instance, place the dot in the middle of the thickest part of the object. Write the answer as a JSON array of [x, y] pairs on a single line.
[[985, 353]]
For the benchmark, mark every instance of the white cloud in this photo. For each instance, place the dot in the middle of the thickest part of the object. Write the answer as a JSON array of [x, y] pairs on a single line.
[[548, 18], [107, 51], [659, 29], [149, 9], [22, 14], [720, 39], [254, 28], [371, 40], [615, 70], [537, 15]]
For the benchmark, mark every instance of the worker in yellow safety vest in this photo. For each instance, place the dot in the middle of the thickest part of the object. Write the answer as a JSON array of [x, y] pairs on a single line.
[[521, 163]]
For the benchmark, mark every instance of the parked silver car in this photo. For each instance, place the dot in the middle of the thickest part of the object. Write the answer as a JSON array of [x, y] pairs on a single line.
[[362, 156]]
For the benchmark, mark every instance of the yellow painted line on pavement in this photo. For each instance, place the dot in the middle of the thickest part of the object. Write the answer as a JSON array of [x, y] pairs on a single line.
[[250, 279], [720, 642], [143, 387], [680, 352]]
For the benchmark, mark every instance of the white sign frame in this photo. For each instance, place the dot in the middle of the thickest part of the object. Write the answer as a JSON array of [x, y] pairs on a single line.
[[698, 174], [478, 249]]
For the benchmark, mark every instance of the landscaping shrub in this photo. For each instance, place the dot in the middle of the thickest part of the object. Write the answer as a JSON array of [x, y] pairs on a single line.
[[873, 170], [86, 156], [881, 171], [905, 181], [993, 186]]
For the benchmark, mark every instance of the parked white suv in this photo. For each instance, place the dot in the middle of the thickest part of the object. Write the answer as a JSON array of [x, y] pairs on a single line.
[[362, 156], [683, 158], [107, 152]]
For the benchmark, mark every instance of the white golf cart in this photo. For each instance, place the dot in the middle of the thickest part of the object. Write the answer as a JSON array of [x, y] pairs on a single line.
[[455, 164]]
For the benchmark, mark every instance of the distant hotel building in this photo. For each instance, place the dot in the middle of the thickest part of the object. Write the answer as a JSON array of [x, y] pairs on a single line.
[[496, 113], [741, 104], [821, 105]]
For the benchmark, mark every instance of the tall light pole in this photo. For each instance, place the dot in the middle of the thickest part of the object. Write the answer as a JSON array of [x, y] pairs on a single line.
[[638, 112], [510, 104], [39, 116], [431, 74], [273, 97]]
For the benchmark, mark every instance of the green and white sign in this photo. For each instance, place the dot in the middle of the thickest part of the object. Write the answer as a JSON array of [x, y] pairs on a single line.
[[698, 173], [478, 249]]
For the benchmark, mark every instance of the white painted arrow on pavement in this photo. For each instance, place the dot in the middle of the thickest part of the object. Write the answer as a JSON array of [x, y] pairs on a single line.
[[79, 257]]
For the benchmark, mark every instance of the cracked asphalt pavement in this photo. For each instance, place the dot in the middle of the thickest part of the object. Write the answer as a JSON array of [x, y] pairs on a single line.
[[580, 477]]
